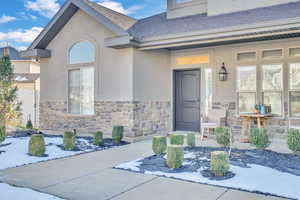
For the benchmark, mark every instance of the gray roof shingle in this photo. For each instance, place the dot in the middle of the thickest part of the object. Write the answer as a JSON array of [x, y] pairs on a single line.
[[159, 25]]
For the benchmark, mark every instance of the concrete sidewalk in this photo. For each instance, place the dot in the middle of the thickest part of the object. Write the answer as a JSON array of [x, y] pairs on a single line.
[[91, 177]]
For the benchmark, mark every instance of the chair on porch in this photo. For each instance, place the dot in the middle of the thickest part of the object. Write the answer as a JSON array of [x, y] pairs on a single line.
[[214, 118]]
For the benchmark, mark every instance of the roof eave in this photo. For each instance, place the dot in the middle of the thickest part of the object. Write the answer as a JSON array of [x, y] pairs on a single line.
[[121, 42], [36, 53]]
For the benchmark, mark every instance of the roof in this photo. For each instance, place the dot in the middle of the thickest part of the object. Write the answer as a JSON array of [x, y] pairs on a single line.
[[26, 77], [159, 25], [13, 53]]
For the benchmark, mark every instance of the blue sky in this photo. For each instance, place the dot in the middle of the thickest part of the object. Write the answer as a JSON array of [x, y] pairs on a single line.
[[22, 20]]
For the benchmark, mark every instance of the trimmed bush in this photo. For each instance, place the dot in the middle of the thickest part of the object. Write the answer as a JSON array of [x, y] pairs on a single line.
[[98, 138], [191, 139], [259, 138], [117, 134], [29, 125], [2, 134], [36, 146], [219, 163], [223, 136], [294, 140], [176, 139], [174, 156], [69, 140], [159, 144]]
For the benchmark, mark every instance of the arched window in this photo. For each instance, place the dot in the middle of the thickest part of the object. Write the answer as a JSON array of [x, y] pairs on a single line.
[[81, 78]]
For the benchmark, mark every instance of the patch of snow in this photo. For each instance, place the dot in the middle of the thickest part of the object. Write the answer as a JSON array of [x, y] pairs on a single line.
[[132, 165], [16, 193]]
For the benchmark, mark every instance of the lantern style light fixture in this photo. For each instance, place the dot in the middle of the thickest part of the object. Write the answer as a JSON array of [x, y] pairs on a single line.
[[223, 74]]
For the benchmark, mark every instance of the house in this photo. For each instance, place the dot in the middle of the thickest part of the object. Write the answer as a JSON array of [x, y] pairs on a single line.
[[27, 79], [100, 68]]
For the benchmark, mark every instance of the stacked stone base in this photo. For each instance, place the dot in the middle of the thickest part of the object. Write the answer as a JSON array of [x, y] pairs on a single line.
[[138, 118]]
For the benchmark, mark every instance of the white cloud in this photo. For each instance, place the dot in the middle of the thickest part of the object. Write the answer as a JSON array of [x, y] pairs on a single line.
[[21, 35], [117, 6], [5, 19], [47, 8]]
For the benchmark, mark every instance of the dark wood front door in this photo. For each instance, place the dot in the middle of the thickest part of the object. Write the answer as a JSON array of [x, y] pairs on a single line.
[[187, 100]]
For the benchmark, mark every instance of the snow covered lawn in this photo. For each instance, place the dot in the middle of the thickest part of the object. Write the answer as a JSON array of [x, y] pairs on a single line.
[[16, 193], [254, 171], [16, 152]]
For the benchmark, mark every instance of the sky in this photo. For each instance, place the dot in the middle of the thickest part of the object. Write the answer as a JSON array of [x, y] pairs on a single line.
[[22, 20]]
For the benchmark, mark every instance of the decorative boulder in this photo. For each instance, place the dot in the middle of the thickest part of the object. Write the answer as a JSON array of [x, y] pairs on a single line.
[[219, 163], [69, 140], [36, 146], [159, 144], [176, 139], [294, 140], [117, 134], [2, 133], [259, 138], [98, 138], [175, 156], [223, 136], [191, 139]]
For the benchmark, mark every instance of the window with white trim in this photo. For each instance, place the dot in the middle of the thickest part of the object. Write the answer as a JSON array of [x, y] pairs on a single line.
[[294, 89], [81, 79], [272, 87], [246, 88]]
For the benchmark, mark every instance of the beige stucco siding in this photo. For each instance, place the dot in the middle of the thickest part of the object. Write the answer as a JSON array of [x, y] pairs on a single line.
[[152, 77], [113, 68]]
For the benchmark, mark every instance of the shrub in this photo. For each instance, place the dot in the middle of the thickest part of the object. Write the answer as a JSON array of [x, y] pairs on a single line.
[[98, 138], [191, 139], [176, 139], [159, 144], [219, 163], [223, 135], [29, 125], [294, 140], [2, 133], [174, 156], [259, 138], [69, 140], [36, 145], [117, 134]]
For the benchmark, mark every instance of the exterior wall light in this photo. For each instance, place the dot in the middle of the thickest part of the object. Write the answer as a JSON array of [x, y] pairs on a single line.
[[223, 74]]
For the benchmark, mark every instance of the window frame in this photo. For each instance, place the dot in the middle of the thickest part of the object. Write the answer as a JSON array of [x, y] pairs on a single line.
[[290, 116], [272, 57], [80, 66]]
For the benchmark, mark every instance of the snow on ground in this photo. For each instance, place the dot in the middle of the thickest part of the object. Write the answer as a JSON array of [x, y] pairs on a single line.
[[256, 178], [16, 152], [15, 193]]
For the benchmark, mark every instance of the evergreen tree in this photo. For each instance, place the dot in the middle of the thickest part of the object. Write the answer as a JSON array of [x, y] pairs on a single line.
[[9, 104]]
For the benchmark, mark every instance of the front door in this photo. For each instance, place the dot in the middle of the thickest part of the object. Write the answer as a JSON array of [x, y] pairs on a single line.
[[187, 100]]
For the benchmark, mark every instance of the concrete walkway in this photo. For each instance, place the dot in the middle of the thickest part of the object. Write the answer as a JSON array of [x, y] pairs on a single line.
[[91, 177]]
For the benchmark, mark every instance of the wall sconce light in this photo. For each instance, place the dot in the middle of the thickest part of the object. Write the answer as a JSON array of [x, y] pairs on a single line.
[[223, 74]]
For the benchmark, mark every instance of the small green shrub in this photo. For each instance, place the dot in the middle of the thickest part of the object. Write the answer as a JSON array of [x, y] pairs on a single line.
[[175, 156], [2, 134], [69, 140], [259, 138], [294, 140], [219, 163], [223, 135], [98, 138], [176, 139], [117, 134], [191, 139], [29, 125], [36, 146], [159, 144]]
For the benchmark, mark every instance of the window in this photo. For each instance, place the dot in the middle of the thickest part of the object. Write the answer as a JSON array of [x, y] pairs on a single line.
[[246, 88], [246, 56], [81, 79], [294, 52], [294, 89], [275, 53], [272, 85], [208, 89]]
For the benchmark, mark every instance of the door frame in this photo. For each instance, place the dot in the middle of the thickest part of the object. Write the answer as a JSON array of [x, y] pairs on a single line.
[[174, 93]]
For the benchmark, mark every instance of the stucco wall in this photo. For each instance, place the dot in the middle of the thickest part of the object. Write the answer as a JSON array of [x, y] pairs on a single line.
[[113, 70]]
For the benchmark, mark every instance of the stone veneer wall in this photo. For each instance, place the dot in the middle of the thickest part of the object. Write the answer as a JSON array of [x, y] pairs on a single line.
[[138, 118], [276, 126]]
